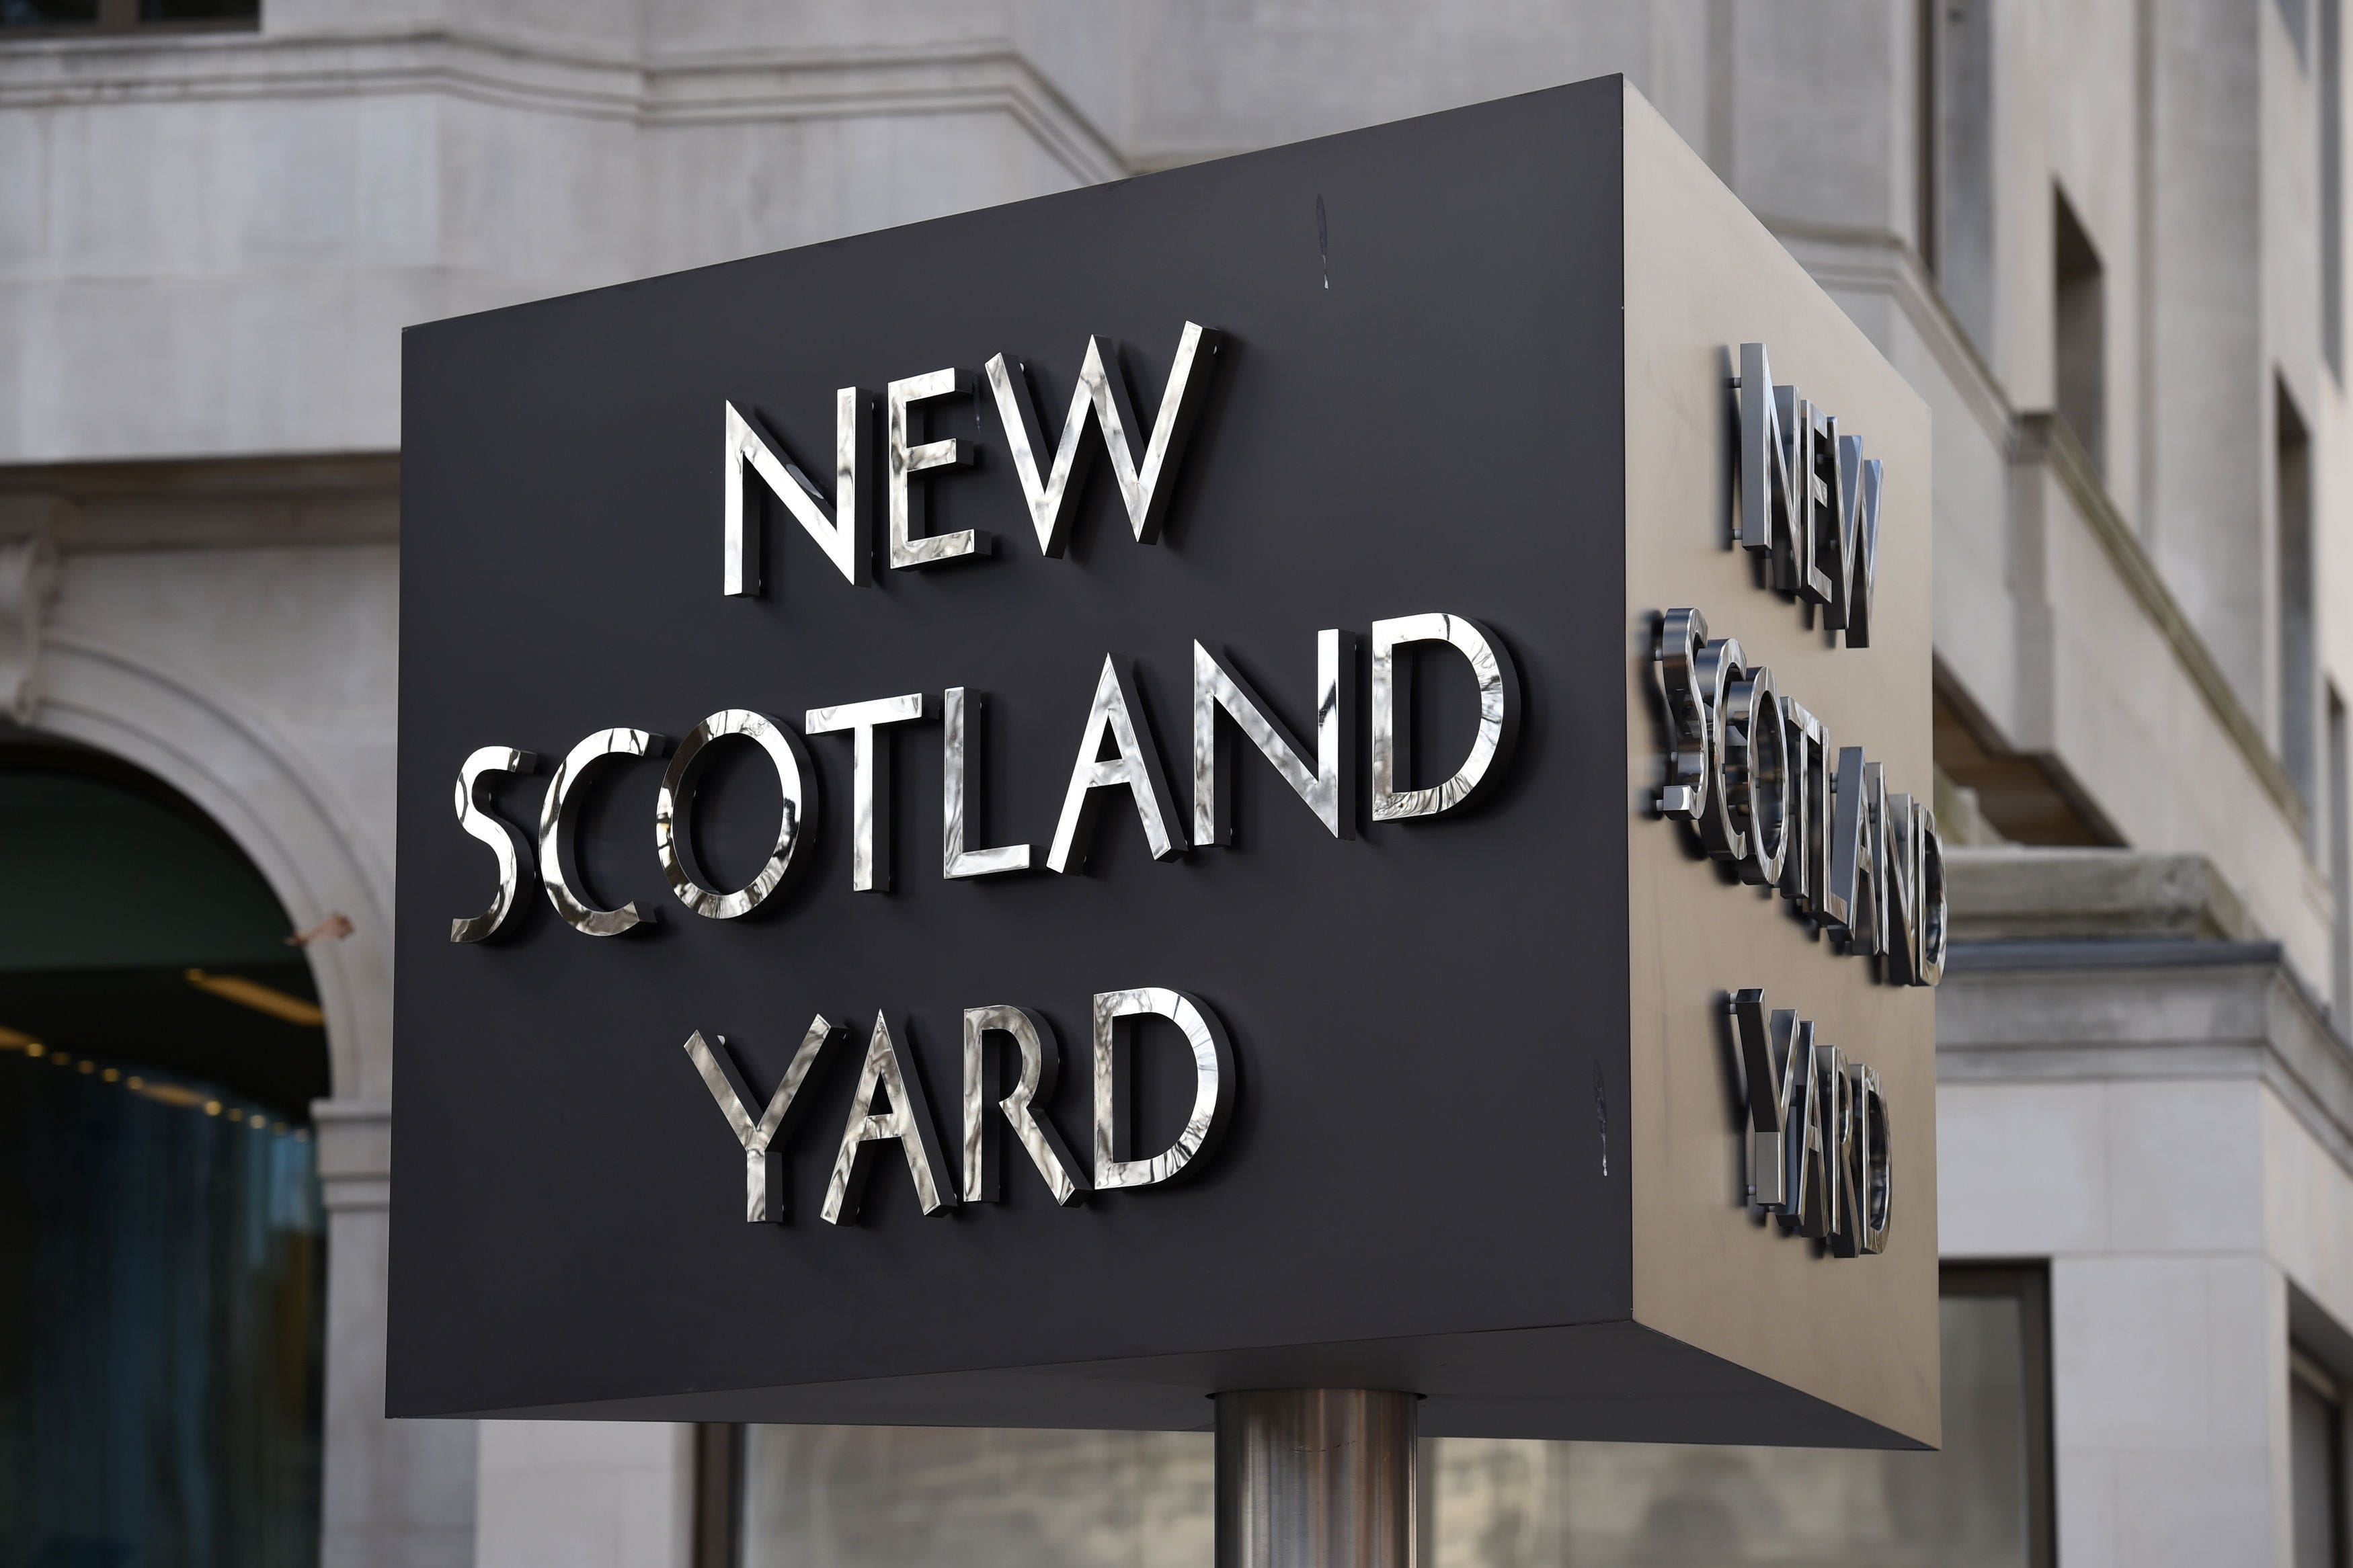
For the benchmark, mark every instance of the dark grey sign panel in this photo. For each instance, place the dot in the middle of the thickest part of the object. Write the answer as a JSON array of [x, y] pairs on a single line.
[[1372, 1113]]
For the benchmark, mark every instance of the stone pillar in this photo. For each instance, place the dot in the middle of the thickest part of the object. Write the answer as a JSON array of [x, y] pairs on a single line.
[[397, 1494], [588, 1494]]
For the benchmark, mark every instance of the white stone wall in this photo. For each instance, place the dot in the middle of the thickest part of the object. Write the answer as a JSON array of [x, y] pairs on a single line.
[[209, 247]]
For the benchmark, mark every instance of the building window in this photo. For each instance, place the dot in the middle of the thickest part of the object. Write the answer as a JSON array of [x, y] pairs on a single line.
[[2079, 344], [2299, 706], [67, 17], [851, 1497], [2332, 192], [1957, 162], [2315, 1430], [161, 1239], [2292, 17], [2340, 859]]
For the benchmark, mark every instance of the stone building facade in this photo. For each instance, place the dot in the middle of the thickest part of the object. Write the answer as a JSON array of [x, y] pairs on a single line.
[[2103, 239]]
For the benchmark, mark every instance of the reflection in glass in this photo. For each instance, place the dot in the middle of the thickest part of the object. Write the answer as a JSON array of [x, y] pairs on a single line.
[[160, 1320], [47, 13], [842, 1497], [197, 10], [916, 1496]]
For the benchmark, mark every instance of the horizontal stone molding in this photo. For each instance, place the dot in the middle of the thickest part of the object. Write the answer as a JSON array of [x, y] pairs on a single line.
[[2101, 1011], [352, 498], [752, 85]]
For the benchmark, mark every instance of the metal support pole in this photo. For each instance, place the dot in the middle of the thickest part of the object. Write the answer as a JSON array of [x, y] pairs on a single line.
[[1315, 1478]]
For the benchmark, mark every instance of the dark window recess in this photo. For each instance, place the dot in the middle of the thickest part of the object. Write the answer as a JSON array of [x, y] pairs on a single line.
[[2340, 860], [82, 17], [2079, 348], [1956, 92], [48, 13], [2299, 704], [2315, 1434]]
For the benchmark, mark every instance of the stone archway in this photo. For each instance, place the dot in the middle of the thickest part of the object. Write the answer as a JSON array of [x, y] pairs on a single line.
[[393, 1493]]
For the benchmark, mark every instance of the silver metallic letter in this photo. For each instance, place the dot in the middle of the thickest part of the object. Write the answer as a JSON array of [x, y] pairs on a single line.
[[1933, 924], [1838, 1134], [506, 839], [869, 779], [907, 1122], [1859, 852], [1766, 495], [1720, 664], [1114, 715], [1683, 633], [1213, 1080], [673, 834], [1902, 965], [1876, 1201], [1042, 1061], [1805, 1200], [908, 548], [1756, 773], [764, 1189], [1855, 566], [556, 812], [842, 536], [1499, 714], [1102, 389], [1324, 787], [1773, 1062], [960, 754]]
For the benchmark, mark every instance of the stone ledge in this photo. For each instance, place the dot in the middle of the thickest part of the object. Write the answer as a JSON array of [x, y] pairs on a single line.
[[2037, 895], [2088, 1011]]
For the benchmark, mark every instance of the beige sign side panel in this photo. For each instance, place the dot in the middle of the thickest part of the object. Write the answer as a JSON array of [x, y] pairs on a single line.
[[1703, 276]]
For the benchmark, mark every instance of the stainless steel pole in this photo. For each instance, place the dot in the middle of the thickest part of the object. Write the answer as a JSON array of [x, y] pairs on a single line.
[[1315, 1478]]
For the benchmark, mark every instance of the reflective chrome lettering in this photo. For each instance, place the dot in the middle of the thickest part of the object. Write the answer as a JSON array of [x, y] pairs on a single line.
[[1817, 1127], [673, 834], [908, 545], [1324, 785], [961, 762], [556, 813], [869, 779], [1809, 500], [1115, 717], [1855, 572], [1901, 835], [764, 1190], [906, 1120], [1040, 1060], [842, 536], [1721, 829], [1681, 635], [1770, 1060], [1144, 487], [1858, 852], [1814, 468], [1499, 714], [1876, 1197], [506, 840], [1756, 773], [1213, 1079], [1932, 928], [1841, 1233]]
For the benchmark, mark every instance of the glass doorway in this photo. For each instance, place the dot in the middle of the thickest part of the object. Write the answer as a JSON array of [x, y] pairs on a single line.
[[160, 1229]]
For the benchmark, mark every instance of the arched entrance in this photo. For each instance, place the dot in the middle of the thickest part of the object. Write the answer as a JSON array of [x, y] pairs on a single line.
[[162, 1278]]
